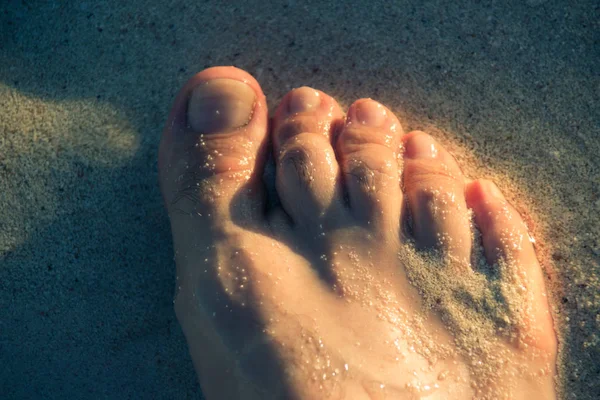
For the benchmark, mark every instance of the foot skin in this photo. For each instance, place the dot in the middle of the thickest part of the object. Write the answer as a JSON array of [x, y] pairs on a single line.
[[380, 272]]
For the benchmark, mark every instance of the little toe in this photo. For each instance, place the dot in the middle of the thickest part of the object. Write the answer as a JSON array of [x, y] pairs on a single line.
[[505, 236], [307, 170], [434, 186], [213, 147], [368, 149], [508, 246]]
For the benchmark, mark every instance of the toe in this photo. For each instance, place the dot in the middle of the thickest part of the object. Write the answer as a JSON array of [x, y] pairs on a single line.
[[212, 149], [368, 148], [508, 246], [434, 186], [307, 171], [504, 234]]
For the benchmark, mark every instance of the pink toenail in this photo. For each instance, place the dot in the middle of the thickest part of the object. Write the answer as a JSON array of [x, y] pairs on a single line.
[[369, 113], [303, 99], [421, 146], [220, 105], [493, 190]]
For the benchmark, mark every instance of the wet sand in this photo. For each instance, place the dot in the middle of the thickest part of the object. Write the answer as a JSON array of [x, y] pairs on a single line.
[[86, 268]]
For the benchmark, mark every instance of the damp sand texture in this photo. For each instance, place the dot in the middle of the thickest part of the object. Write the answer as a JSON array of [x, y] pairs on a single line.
[[86, 268]]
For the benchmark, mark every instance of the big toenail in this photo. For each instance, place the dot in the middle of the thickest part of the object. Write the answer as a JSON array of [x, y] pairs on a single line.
[[421, 146], [369, 113], [303, 99], [220, 105]]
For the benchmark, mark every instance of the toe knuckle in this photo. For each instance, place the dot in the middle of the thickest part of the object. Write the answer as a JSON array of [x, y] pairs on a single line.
[[419, 175], [371, 172], [299, 125], [364, 176], [296, 162], [197, 173], [354, 138]]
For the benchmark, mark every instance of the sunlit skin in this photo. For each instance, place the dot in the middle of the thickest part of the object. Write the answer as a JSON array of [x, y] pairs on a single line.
[[312, 296]]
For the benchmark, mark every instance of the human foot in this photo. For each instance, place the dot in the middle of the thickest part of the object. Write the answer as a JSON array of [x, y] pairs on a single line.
[[325, 295]]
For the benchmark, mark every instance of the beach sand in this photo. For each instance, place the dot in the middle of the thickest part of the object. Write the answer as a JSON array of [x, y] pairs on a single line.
[[86, 264]]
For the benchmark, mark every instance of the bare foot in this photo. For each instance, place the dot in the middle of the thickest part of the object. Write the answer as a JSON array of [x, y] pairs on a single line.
[[367, 280]]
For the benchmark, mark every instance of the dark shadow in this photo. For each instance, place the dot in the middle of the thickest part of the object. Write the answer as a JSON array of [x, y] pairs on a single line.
[[90, 297]]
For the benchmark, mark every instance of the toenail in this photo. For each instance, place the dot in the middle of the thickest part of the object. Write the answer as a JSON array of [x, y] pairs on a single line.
[[303, 99], [493, 190], [220, 105], [421, 146], [369, 113]]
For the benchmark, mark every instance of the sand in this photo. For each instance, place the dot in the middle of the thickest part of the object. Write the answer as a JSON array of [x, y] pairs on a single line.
[[86, 265]]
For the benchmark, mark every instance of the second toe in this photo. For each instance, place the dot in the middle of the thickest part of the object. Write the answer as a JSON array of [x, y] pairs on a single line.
[[306, 167]]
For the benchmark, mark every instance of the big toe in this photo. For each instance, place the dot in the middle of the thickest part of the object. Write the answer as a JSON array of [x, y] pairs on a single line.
[[213, 146]]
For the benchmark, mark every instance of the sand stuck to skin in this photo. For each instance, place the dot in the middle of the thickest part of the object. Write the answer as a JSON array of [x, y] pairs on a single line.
[[86, 267]]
